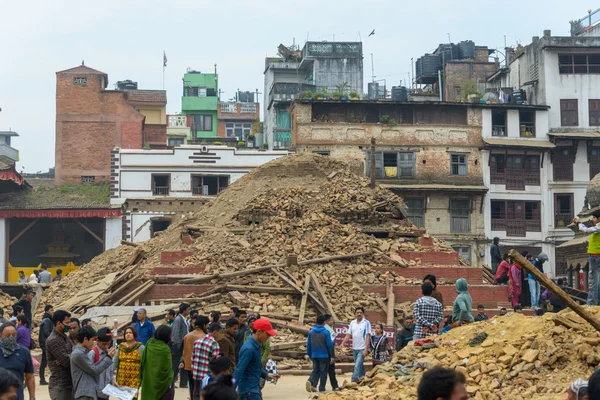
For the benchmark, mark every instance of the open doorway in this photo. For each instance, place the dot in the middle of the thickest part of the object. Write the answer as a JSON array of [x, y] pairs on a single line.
[[159, 225]]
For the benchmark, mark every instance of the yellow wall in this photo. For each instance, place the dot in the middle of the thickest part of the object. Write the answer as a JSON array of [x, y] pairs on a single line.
[[153, 114], [13, 272]]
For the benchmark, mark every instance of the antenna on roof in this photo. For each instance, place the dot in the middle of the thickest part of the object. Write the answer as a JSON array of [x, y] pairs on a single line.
[[82, 62]]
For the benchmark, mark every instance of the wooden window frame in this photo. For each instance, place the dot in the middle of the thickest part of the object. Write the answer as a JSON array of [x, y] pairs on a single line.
[[594, 110], [562, 166], [567, 63], [453, 210], [424, 208], [564, 108], [458, 164], [152, 176], [202, 176], [515, 222], [561, 217]]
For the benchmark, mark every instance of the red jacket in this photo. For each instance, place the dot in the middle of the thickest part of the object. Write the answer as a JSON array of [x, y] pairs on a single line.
[[503, 267]]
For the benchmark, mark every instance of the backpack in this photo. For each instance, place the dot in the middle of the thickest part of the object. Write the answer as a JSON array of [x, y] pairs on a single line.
[[96, 354]]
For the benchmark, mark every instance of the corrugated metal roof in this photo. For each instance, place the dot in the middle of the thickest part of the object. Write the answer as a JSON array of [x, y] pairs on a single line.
[[526, 143], [575, 134], [147, 96]]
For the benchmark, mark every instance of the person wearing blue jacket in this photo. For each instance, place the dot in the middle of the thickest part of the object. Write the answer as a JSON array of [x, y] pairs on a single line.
[[319, 348]]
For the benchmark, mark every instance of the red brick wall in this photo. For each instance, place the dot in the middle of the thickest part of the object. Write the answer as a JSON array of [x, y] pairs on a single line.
[[248, 118], [90, 120], [154, 133], [473, 275]]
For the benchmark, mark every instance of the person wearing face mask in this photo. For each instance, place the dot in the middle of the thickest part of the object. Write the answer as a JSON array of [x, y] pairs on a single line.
[[58, 350], [16, 359], [83, 370]]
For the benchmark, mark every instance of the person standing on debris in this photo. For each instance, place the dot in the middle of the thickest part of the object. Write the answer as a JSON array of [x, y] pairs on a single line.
[[360, 332], [441, 383], [170, 317], [16, 359], [179, 330], [502, 271], [495, 254], [83, 370], [319, 348], [25, 302], [463, 304], [46, 328], [58, 349], [514, 284], [156, 369], [405, 335], [204, 350], [58, 276], [241, 316], [594, 257], [534, 285], [428, 313], [481, 315], [22, 277], [101, 349], [127, 360], [381, 346], [331, 368], [227, 341], [249, 371], [429, 278], [45, 275], [200, 330], [144, 327]]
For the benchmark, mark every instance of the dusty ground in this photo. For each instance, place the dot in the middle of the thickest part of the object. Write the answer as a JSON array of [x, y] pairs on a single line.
[[288, 388]]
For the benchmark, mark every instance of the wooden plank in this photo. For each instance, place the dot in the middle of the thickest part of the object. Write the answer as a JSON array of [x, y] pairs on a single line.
[[339, 257], [122, 288], [322, 296], [262, 289], [131, 264], [558, 292], [288, 345], [391, 299], [32, 223], [203, 278], [88, 230], [135, 294], [128, 243], [198, 279], [302, 329], [381, 304], [287, 278], [304, 298], [390, 259]]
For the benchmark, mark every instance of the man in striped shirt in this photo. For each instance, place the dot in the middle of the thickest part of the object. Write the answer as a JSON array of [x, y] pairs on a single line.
[[205, 349]]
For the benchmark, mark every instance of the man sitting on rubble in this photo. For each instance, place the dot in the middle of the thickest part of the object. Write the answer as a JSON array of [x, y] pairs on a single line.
[[428, 313], [405, 335]]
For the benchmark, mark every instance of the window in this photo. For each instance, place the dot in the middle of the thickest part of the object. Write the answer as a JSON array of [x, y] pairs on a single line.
[[464, 252], [238, 130], [161, 184], [79, 81], [458, 164], [202, 123], [515, 171], [562, 164], [499, 123], [159, 225], [569, 112], [198, 91], [322, 152], [594, 160], [516, 217], [392, 164], [527, 123], [579, 63], [209, 185], [88, 179], [175, 141], [594, 112], [563, 210], [416, 210], [460, 216]]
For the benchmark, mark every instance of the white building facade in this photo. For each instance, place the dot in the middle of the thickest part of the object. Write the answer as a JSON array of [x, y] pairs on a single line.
[[156, 186]]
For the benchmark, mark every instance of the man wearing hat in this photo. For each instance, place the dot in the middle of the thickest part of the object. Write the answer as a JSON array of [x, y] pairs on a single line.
[[534, 285], [249, 370]]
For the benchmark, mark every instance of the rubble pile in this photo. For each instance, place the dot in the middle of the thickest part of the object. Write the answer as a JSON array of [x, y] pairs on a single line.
[[307, 205], [510, 357]]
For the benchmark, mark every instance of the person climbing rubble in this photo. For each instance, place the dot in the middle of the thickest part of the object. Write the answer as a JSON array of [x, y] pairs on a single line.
[[461, 310]]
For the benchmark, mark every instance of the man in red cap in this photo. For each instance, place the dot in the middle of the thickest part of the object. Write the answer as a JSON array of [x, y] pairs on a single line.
[[249, 371]]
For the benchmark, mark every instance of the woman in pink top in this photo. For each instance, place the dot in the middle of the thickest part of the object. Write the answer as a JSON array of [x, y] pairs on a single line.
[[514, 284]]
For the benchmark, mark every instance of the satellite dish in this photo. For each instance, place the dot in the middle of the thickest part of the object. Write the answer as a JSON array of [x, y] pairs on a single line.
[[489, 96]]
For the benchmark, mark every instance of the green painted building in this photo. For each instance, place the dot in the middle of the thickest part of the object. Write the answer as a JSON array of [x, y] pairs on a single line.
[[200, 100]]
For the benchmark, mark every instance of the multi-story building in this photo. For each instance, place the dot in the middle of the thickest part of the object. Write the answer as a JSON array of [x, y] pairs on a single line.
[[91, 121], [428, 153], [564, 74], [235, 118], [200, 101], [333, 66], [156, 186]]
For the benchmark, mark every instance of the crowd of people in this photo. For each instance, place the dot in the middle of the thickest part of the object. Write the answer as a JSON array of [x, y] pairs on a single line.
[[215, 360], [40, 276]]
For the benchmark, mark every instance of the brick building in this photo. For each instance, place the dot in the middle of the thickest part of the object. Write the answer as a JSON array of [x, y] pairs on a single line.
[[475, 70], [235, 119], [429, 153], [91, 121]]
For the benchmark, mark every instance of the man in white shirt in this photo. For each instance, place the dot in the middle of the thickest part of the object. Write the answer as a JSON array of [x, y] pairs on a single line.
[[360, 331]]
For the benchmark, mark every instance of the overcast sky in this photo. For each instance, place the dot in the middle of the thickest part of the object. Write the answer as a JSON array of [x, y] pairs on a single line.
[[126, 39]]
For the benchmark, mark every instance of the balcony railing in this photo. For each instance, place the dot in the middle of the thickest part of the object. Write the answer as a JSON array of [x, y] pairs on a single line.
[[527, 129], [283, 140], [498, 130], [248, 108], [160, 190], [176, 121], [230, 108], [562, 220]]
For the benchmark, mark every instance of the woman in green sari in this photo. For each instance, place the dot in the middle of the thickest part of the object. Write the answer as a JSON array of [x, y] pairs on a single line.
[[156, 369]]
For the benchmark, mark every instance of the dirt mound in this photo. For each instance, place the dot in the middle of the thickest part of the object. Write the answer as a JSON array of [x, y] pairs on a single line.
[[521, 358]]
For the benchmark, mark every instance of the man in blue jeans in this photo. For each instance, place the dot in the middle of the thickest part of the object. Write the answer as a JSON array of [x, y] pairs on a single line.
[[534, 285], [594, 257], [319, 348], [360, 332]]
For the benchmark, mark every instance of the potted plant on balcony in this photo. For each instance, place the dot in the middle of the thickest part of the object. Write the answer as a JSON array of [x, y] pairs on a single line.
[[336, 96], [306, 95], [354, 95], [251, 140], [265, 146], [342, 89], [325, 94], [241, 143]]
